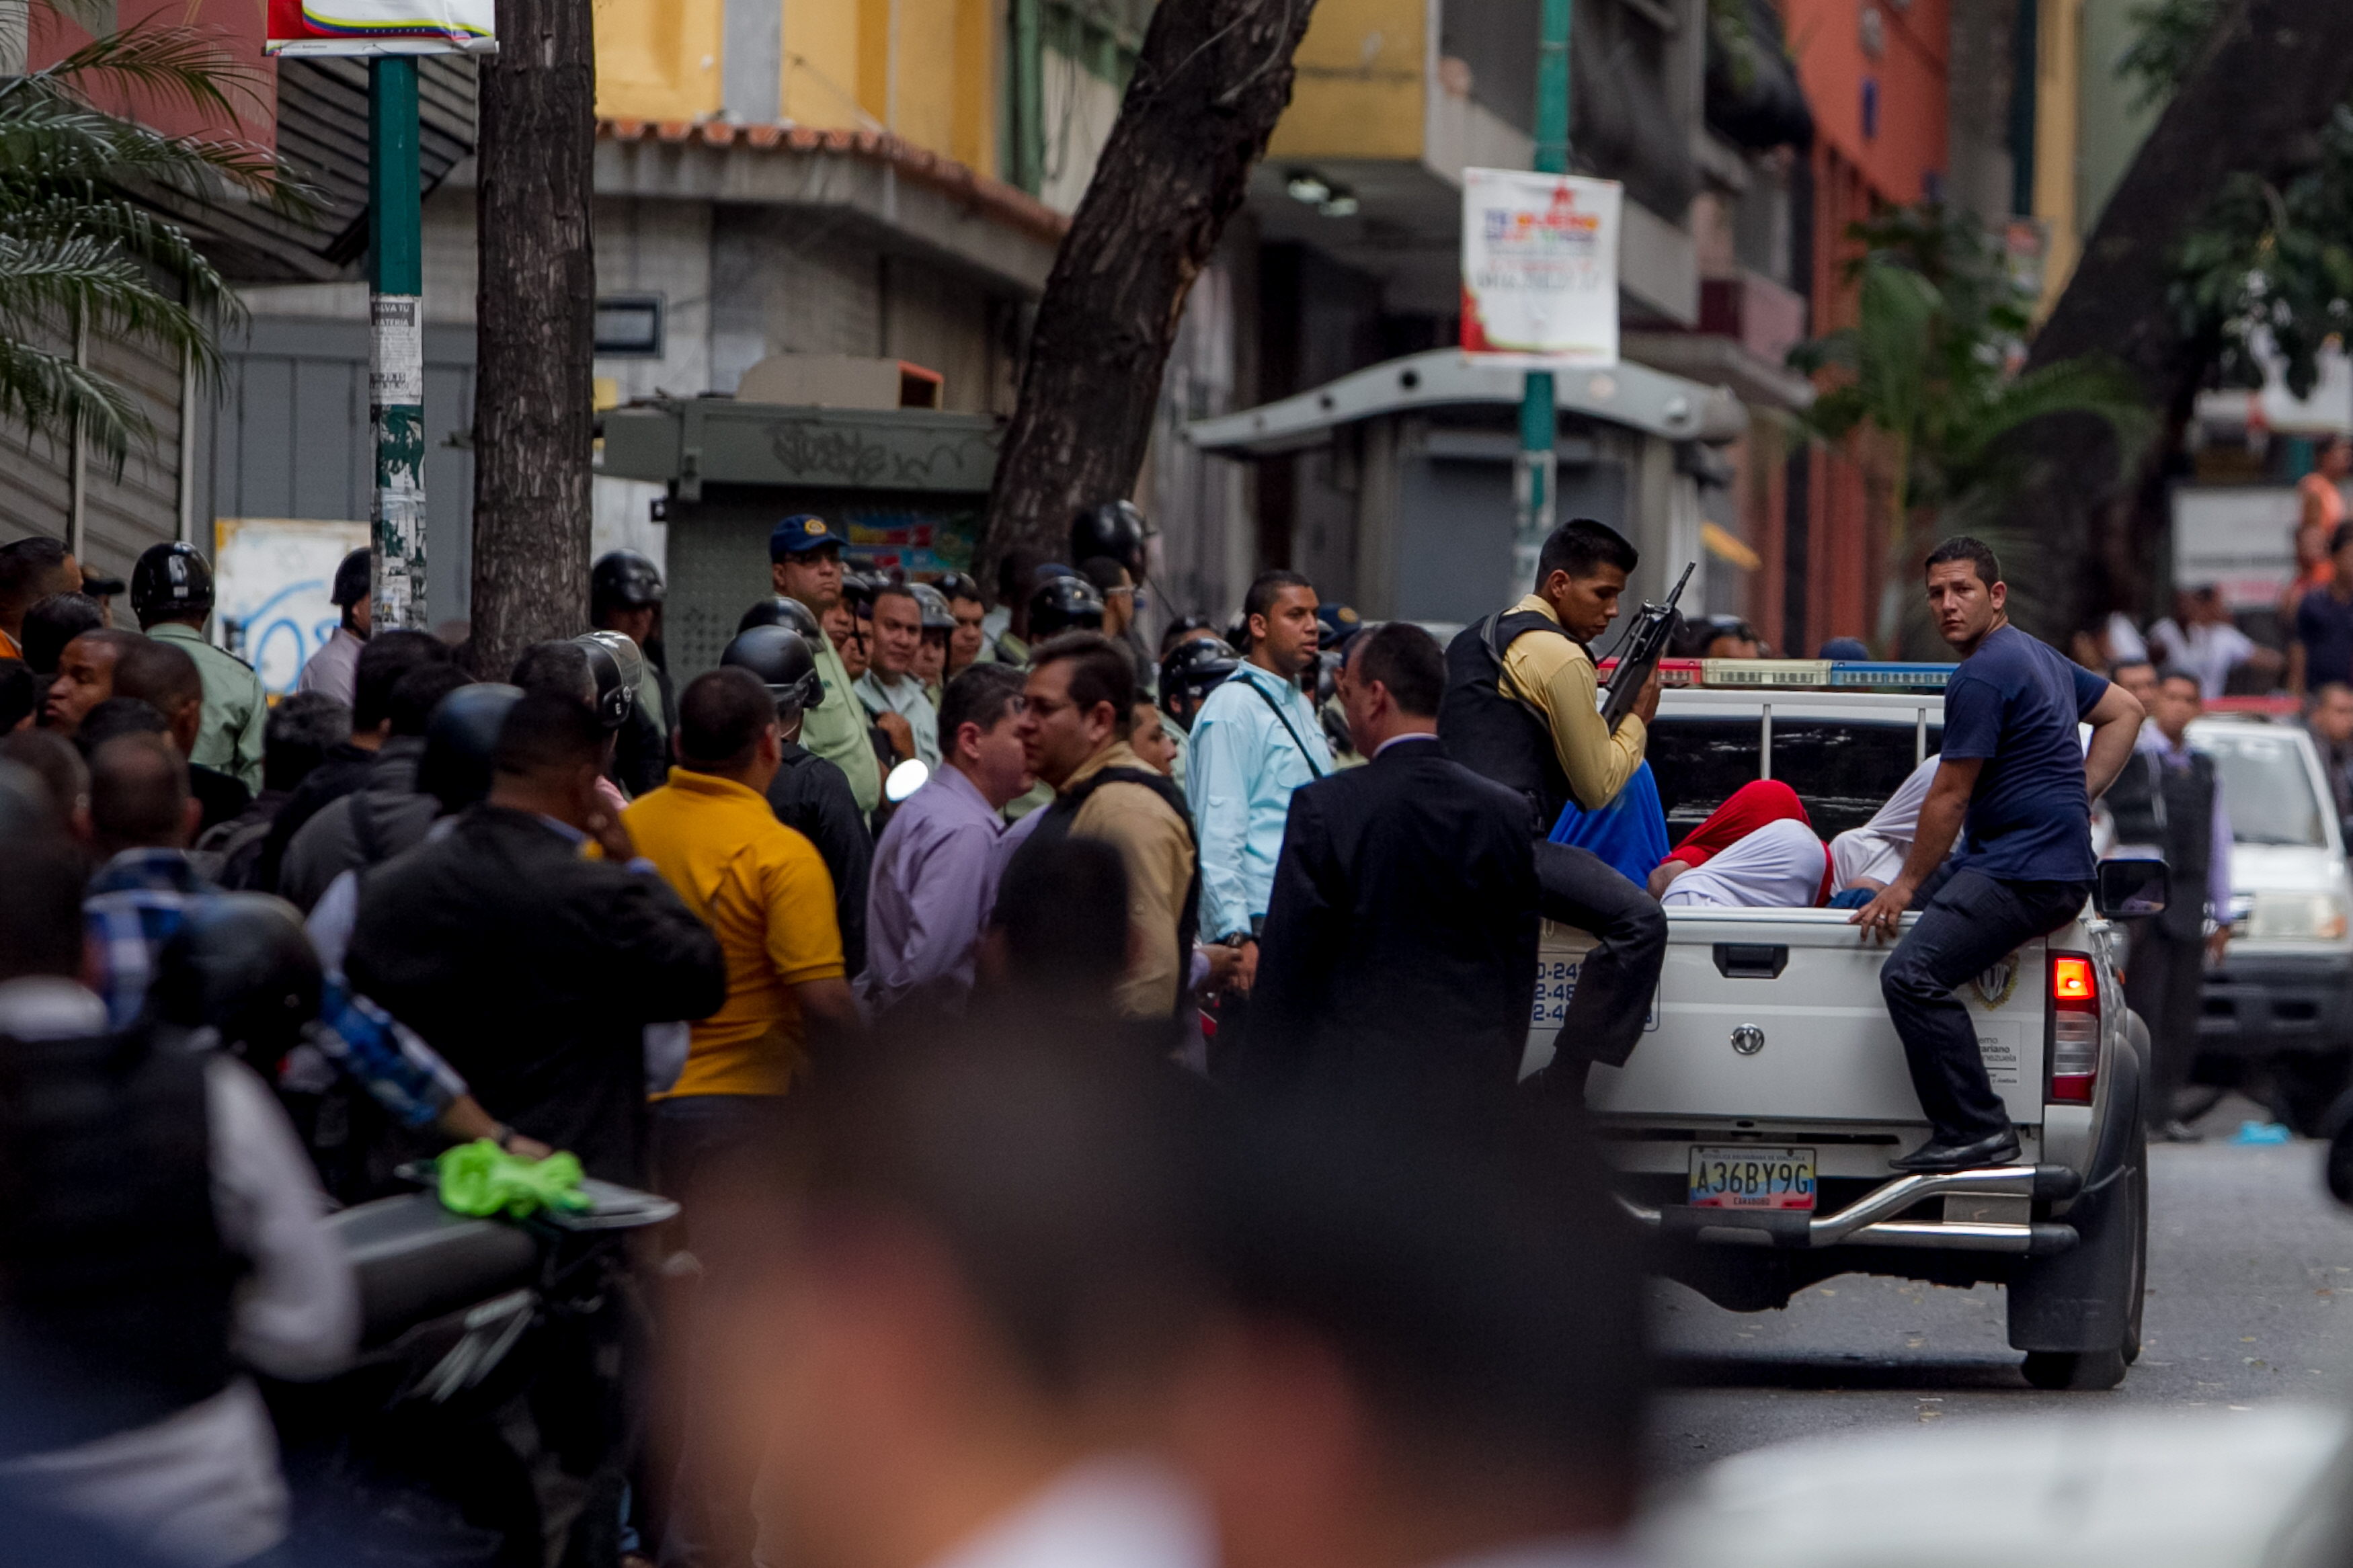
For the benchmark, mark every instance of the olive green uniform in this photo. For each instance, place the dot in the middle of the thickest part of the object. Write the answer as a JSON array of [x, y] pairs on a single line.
[[229, 740], [835, 729]]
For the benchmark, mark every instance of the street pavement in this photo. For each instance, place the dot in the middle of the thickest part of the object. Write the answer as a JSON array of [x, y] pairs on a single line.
[[2250, 1300]]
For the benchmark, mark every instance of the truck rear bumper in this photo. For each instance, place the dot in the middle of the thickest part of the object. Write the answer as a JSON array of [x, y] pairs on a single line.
[[2260, 1004], [1871, 1221]]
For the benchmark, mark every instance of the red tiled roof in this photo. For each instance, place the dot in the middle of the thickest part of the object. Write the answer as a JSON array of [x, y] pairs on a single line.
[[992, 198]]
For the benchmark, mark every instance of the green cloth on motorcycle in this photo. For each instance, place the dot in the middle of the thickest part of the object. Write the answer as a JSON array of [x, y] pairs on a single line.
[[480, 1178]]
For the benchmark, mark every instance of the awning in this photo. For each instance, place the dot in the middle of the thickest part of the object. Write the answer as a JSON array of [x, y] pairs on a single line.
[[1629, 395]]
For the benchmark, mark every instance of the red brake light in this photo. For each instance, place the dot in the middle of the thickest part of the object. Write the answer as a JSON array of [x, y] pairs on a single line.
[[2074, 1031]]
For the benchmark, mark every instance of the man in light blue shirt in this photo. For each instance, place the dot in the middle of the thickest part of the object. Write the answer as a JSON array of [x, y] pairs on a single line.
[[1255, 739]]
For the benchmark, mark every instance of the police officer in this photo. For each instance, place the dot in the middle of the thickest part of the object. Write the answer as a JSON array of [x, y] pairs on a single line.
[[333, 671], [625, 595], [172, 595], [1520, 707], [805, 563], [1064, 603], [2169, 802], [808, 794], [1190, 671]]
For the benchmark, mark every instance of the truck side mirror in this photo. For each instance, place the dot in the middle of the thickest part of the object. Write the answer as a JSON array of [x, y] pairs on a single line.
[[2130, 887]]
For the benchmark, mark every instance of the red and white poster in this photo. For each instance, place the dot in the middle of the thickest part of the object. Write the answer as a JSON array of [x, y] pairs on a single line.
[[1540, 267], [380, 28]]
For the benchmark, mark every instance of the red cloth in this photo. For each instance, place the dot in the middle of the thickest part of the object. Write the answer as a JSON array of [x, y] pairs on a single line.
[[1752, 805]]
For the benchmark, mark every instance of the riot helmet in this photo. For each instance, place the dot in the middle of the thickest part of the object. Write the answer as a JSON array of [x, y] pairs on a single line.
[[1189, 674], [1112, 528], [460, 739], [618, 668], [240, 963], [780, 611], [623, 580], [1061, 605], [783, 660], [169, 582], [937, 616]]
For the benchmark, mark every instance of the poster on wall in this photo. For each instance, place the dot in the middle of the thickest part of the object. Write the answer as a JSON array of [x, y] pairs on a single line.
[[299, 27], [272, 579], [1540, 268]]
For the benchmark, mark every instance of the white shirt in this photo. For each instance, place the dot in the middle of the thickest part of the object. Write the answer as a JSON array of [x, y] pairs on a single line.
[[203, 1486], [1779, 865], [2206, 651], [333, 670], [1117, 1511]]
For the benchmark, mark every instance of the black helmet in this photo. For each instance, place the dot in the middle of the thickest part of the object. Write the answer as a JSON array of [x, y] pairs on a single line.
[[618, 667], [937, 616], [857, 593], [1189, 672], [1112, 528], [240, 963], [623, 580], [959, 586], [782, 660], [352, 578], [460, 739], [169, 582], [1064, 603], [781, 611]]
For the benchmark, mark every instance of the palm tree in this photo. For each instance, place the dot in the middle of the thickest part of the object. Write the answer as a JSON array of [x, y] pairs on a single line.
[[81, 254], [1924, 385]]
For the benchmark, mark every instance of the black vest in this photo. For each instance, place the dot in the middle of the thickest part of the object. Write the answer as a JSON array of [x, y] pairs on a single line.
[[1055, 821], [2172, 808], [1497, 735], [115, 1288]]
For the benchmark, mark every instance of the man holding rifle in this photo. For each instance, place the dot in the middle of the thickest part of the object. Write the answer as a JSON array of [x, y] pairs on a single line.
[[1520, 706]]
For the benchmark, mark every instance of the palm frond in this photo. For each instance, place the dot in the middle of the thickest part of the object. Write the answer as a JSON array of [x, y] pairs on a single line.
[[159, 61], [2096, 387], [50, 394], [86, 279]]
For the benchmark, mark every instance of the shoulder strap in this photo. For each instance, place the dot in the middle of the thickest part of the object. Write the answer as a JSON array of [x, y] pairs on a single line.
[[1498, 645], [1285, 720]]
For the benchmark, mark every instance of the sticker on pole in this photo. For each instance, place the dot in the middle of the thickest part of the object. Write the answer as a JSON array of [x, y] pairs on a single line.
[[299, 27], [1540, 268]]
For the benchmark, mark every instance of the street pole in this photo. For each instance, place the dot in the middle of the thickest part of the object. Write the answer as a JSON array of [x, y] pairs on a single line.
[[396, 349], [1533, 474]]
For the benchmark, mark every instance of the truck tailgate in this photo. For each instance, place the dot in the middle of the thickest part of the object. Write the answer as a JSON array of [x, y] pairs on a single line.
[[1777, 1014]]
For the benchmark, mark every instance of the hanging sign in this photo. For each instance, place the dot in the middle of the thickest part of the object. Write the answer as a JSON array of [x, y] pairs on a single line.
[[1540, 268], [299, 27]]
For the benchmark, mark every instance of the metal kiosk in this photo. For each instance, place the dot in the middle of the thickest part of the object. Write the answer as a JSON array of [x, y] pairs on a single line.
[[907, 487]]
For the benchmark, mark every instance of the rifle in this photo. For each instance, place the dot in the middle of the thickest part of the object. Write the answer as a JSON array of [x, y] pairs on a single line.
[[1645, 644]]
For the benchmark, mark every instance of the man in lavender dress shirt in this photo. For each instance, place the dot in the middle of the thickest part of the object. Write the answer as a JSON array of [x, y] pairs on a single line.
[[934, 870]]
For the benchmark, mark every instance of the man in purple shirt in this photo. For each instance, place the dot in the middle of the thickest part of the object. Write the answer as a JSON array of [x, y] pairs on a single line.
[[935, 869]]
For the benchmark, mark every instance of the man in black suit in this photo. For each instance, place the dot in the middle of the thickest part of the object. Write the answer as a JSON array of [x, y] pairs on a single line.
[[532, 969], [1400, 952]]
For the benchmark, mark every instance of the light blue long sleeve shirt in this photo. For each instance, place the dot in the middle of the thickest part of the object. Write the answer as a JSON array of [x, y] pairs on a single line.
[[1241, 766]]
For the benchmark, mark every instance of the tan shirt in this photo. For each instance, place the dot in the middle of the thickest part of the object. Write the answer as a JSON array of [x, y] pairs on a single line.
[[1157, 852], [1556, 677]]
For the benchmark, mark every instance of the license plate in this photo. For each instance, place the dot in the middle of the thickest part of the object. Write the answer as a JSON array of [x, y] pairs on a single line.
[[1751, 1178]]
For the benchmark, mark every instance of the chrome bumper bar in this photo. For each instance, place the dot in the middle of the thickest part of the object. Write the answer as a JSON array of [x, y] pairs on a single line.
[[1870, 1220]]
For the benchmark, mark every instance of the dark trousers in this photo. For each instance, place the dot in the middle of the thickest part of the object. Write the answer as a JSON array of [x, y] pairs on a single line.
[[1971, 923], [2164, 980], [1619, 976]]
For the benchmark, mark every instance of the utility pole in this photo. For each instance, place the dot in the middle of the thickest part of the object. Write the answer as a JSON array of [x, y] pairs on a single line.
[[1533, 477], [397, 350]]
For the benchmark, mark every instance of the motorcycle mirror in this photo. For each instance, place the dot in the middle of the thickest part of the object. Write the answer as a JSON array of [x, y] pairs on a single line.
[[905, 779]]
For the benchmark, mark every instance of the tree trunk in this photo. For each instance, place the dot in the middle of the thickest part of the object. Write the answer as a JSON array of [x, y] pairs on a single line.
[[1213, 78], [2270, 76], [535, 315]]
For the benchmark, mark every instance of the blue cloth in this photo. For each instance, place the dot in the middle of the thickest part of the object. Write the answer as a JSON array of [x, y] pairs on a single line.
[[1242, 763], [2324, 625], [927, 903], [1630, 833], [131, 909], [398, 1069], [2015, 703]]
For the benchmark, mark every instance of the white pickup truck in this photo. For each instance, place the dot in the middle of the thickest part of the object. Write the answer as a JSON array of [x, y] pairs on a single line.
[[1751, 1128]]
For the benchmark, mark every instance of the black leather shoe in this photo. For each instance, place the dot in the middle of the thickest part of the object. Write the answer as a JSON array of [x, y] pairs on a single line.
[[1934, 1157]]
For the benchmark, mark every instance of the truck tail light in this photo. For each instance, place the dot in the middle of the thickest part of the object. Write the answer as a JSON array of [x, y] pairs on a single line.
[[2074, 1028]]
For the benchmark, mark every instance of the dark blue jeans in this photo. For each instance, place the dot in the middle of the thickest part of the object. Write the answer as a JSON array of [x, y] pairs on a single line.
[[1969, 925]]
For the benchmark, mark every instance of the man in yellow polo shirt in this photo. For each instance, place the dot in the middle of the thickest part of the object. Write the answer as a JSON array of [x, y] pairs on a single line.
[[764, 890]]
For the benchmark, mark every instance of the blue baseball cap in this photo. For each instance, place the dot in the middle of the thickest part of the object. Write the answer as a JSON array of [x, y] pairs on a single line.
[[800, 533]]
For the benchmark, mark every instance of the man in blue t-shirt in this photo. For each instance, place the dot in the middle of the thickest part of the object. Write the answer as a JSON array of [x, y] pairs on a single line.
[[2016, 783]]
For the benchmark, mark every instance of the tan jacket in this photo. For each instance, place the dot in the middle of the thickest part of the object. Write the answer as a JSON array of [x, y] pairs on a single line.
[[1157, 849], [1555, 676]]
